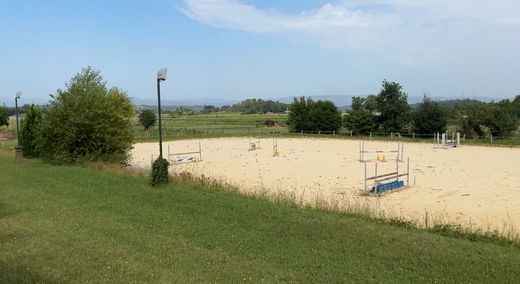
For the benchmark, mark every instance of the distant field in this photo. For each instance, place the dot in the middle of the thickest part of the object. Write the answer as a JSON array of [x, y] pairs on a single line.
[[214, 125], [74, 224], [236, 124]]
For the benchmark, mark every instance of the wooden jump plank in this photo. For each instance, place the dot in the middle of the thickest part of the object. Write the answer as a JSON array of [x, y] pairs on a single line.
[[392, 177], [385, 175]]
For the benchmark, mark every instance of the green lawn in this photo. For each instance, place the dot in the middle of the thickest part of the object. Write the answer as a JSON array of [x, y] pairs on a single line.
[[77, 224]]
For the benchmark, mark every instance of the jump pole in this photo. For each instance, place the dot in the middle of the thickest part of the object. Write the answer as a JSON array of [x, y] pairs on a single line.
[[365, 177], [408, 171]]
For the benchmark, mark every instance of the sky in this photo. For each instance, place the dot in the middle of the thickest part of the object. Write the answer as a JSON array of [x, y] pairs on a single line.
[[238, 49]]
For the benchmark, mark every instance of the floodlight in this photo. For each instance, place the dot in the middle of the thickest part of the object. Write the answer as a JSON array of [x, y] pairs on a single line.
[[161, 74]]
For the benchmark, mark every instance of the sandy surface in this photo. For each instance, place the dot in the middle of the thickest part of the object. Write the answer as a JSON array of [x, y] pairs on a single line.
[[470, 185]]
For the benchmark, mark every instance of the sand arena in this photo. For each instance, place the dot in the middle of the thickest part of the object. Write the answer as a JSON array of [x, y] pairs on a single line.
[[470, 185]]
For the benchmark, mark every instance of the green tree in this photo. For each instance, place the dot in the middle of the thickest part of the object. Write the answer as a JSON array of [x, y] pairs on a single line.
[[472, 116], [429, 117], [361, 120], [29, 130], [306, 114], [87, 122], [147, 118], [324, 116], [4, 118], [502, 122], [299, 111], [392, 103]]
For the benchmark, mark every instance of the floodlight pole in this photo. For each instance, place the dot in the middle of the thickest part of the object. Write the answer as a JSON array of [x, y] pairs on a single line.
[[18, 95], [161, 76]]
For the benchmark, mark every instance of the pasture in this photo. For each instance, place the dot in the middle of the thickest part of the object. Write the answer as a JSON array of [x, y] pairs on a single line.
[[474, 186], [213, 125]]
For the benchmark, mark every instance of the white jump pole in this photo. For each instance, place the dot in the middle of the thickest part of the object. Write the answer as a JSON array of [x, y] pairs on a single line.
[[200, 152], [365, 176], [408, 171], [397, 168], [375, 176]]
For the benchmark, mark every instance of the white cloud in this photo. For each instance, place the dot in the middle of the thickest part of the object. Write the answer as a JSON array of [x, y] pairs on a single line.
[[412, 31]]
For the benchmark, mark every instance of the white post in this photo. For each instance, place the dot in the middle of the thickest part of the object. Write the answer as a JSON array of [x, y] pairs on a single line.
[[491, 136], [200, 152], [458, 139], [350, 133], [443, 139], [413, 135], [370, 134], [453, 138], [397, 169], [359, 146], [365, 177], [408, 171], [375, 179], [391, 135]]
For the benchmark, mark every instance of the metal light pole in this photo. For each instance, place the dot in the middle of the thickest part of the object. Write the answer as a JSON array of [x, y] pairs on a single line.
[[161, 76], [18, 95]]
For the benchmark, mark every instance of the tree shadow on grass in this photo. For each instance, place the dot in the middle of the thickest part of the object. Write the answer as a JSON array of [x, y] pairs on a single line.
[[4, 210], [12, 273]]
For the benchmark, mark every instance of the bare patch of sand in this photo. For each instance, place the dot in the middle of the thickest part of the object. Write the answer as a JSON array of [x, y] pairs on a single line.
[[470, 185]]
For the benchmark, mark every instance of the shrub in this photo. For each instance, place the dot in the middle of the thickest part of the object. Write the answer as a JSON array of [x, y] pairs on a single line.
[[4, 119], [269, 123], [147, 118], [306, 114], [159, 174], [87, 122], [29, 130]]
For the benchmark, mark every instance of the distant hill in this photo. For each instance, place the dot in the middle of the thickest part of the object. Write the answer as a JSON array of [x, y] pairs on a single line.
[[343, 102]]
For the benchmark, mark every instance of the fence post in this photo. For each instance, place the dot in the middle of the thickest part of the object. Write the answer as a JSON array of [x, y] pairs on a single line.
[[391, 135], [413, 135], [491, 136], [333, 132], [370, 134], [350, 133], [302, 132]]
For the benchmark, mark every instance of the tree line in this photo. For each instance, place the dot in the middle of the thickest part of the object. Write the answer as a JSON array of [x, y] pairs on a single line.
[[389, 111], [249, 106]]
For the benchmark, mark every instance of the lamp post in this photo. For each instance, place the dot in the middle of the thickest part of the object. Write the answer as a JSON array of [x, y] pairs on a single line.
[[161, 76], [18, 95]]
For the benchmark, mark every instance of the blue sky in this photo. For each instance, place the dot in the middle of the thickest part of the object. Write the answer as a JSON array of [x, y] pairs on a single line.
[[236, 49]]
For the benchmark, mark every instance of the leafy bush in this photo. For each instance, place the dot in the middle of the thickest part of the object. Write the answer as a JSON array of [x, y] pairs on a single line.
[[430, 117], [4, 118], [147, 118], [29, 131], [306, 114], [269, 123], [159, 174], [87, 122]]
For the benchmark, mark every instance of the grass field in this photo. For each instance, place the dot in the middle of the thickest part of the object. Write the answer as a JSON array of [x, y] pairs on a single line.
[[236, 124], [214, 125], [78, 224]]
